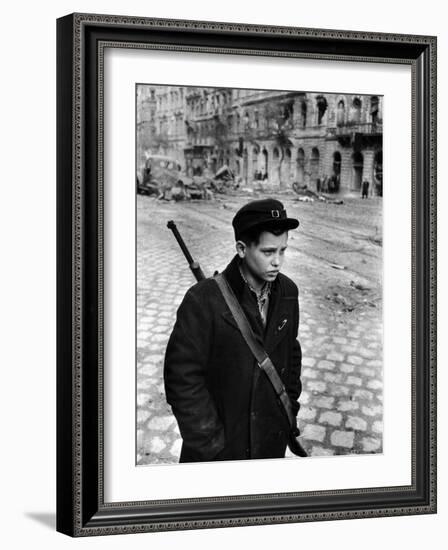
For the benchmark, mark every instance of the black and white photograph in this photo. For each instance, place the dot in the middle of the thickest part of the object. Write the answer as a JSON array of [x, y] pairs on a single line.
[[156, 150], [259, 266]]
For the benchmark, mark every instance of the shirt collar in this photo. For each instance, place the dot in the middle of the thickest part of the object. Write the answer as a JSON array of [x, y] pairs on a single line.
[[261, 294]]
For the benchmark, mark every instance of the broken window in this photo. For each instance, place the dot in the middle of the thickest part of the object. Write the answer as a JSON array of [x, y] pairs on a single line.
[[374, 108], [322, 105], [288, 111], [356, 110], [303, 109], [340, 116]]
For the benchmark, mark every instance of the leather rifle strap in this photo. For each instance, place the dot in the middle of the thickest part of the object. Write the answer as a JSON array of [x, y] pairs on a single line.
[[263, 360]]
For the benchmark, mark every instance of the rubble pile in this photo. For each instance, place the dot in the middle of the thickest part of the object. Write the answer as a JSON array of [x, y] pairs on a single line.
[[163, 179], [308, 195]]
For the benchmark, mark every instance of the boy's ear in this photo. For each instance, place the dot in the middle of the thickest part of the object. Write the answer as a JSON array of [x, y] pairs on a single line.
[[240, 248]]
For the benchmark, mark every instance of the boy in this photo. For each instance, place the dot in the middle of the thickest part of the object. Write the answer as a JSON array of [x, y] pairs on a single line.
[[223, 401]]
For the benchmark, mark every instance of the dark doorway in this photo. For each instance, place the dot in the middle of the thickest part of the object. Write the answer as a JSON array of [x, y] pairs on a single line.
[[358, 163]]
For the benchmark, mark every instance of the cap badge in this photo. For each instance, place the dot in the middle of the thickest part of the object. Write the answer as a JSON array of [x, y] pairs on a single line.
[[275, 213]]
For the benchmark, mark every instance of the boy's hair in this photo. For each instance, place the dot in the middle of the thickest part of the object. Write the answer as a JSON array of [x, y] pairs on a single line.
[[252, 235]]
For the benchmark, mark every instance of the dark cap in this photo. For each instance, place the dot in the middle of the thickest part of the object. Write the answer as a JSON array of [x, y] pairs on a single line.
[[269, 212]]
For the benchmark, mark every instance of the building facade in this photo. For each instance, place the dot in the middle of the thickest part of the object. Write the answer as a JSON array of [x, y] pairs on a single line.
[[328, 142]]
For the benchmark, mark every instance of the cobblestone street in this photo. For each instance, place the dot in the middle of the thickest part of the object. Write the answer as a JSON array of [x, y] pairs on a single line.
[[335, 258]]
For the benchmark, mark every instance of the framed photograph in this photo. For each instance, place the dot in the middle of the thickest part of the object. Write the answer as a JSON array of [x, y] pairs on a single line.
[[246, 274]]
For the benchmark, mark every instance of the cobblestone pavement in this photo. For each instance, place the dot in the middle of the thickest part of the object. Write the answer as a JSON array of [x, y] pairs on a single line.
[[335, 257]]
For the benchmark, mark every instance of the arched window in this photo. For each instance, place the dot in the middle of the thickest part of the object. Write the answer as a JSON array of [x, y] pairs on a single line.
[[321, 104], [303, 111], [275, 154], [265, 162], [340, 113], [356, 111]]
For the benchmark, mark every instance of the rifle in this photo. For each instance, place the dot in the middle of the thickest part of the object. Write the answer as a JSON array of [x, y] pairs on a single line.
[[193, 264]]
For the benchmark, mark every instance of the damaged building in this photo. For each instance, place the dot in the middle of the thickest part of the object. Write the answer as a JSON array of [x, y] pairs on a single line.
[[327, 142]]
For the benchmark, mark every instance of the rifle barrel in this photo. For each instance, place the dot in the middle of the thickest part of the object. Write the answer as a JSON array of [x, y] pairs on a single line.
[[171, 225], [194, 266]]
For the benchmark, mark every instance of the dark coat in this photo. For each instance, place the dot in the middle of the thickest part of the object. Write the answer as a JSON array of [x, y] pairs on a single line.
[[224, 404]]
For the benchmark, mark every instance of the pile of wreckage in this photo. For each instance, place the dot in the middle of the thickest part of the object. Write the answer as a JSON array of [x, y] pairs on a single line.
[[163, 178], [308, 195]]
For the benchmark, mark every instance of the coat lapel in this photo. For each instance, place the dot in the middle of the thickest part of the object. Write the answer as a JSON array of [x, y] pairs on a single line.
[[280, 314], [229, 318], [279, 323]]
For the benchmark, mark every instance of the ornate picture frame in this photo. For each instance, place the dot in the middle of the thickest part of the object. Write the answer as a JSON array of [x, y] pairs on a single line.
[[81, 43]]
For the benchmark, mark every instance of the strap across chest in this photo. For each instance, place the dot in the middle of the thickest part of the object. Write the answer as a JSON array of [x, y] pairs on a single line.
[[263, 359]]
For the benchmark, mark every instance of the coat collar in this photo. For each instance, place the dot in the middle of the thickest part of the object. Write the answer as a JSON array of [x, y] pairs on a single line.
[[233, 276], [279, 310]]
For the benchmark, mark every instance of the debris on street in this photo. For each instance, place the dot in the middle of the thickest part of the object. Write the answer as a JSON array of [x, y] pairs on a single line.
[[359, 286], [163, 178], [308, 195], [341, 300]]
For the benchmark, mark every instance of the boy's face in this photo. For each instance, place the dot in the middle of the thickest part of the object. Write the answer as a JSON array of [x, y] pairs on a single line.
[[262, 262]]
